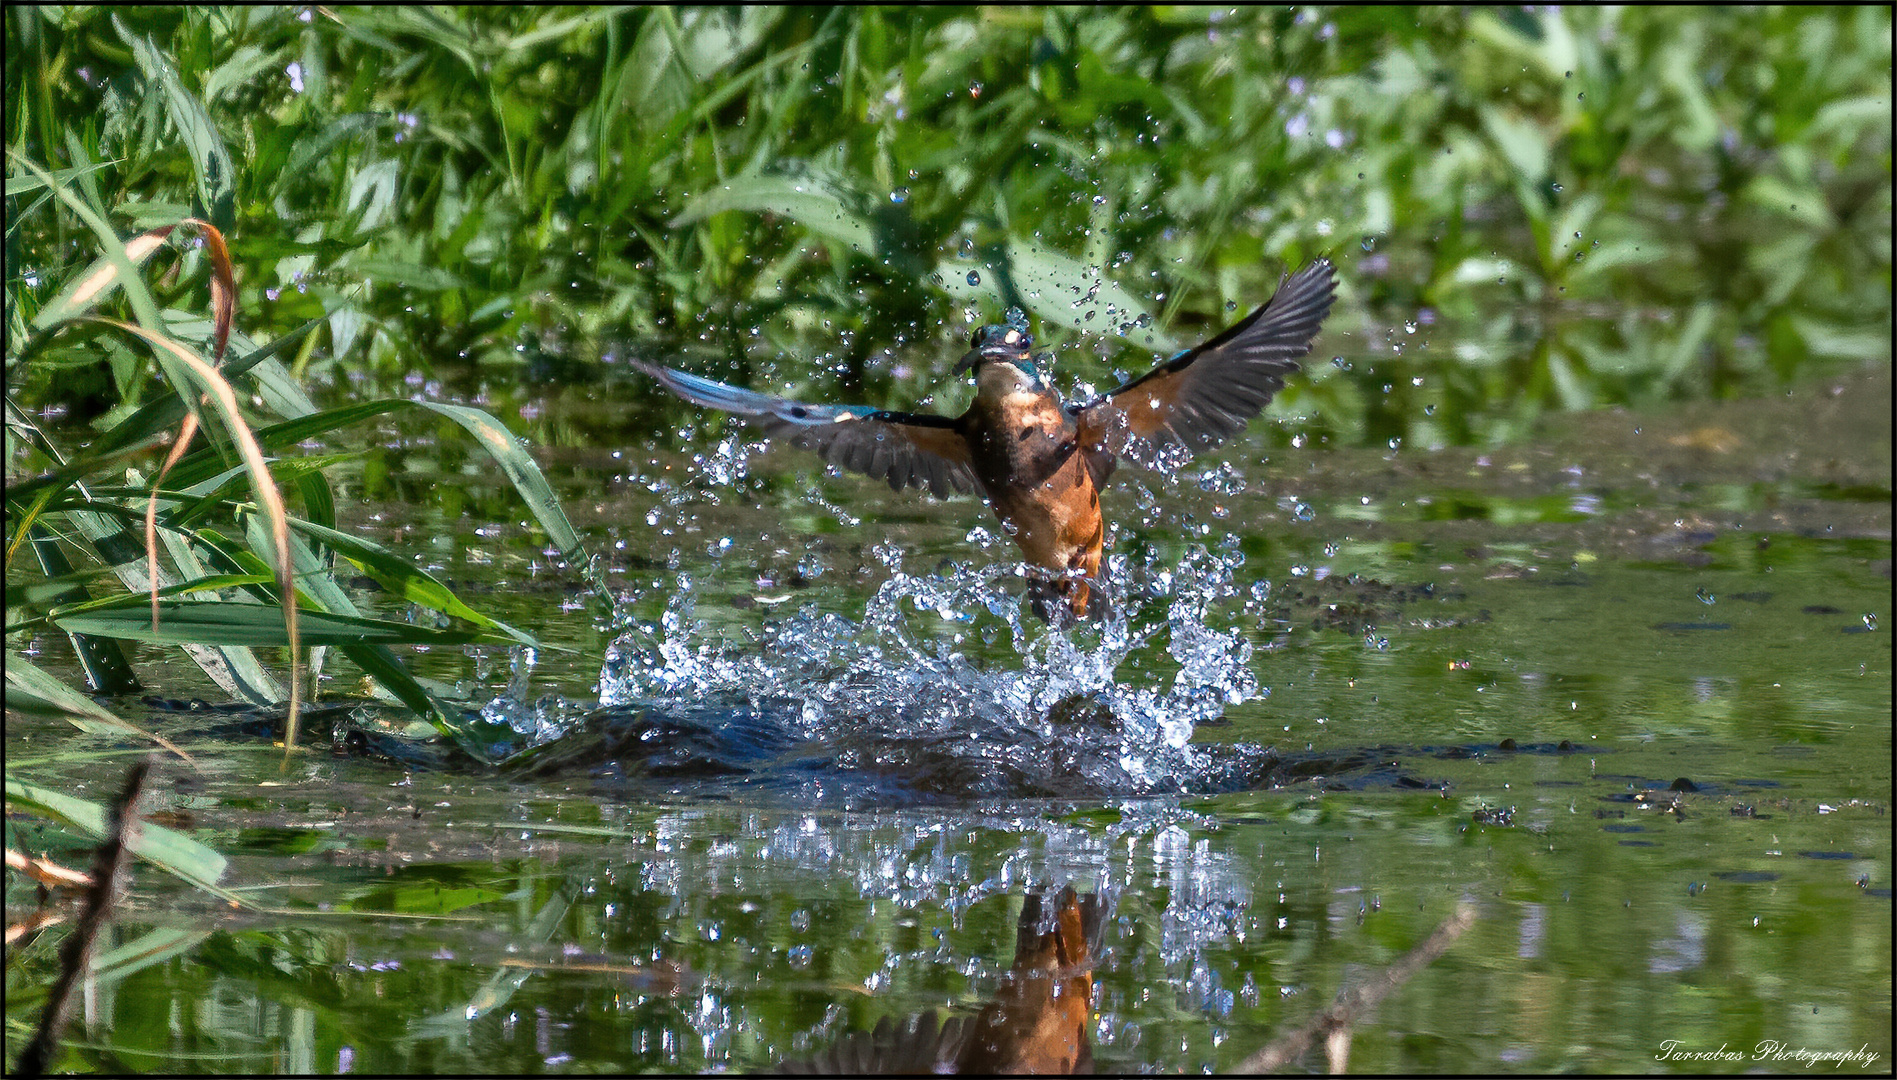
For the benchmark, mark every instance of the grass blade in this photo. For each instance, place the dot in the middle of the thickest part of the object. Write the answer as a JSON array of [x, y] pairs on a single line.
[[404, 579], [216, 622], [219, 392], [532, 485], [31, 690]]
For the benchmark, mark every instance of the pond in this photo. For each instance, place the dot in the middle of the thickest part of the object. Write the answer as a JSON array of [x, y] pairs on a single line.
[[1623, 688]]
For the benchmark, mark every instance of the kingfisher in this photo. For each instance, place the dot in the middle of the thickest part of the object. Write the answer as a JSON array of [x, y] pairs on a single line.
[[1039, 462]]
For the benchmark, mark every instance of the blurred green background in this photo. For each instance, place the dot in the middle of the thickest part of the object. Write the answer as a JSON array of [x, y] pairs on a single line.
[[1531, 210]]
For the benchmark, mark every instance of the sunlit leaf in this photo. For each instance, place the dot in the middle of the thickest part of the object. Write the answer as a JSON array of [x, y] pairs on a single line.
[[210, 160], [86, 290], [1061, 289], [529, 483], [26, 185], [808, 201], [210, 622], [1520, 140], [403, 578]]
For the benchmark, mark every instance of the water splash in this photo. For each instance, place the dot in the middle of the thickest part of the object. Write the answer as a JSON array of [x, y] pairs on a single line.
[[540, 721], [946, 686], [940, 687]]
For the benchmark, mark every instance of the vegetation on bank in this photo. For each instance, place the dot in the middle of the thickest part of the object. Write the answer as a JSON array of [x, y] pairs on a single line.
[[1531, 209]]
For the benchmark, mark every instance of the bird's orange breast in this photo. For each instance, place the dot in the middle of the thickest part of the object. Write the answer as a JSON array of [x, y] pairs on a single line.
[[1036, 479]]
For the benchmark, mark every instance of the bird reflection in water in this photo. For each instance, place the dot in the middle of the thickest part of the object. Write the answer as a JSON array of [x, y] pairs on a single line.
[[1037, 1023]]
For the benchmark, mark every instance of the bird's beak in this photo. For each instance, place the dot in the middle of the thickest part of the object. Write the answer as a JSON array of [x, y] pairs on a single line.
[[1000, 353]]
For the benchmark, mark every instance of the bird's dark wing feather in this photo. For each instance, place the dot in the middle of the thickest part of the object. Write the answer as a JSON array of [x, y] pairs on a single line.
[[1206, 394], [906, 449]]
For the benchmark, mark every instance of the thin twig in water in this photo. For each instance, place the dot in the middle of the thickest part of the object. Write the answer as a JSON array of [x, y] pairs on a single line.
[[109, 863], [1333, 1024]]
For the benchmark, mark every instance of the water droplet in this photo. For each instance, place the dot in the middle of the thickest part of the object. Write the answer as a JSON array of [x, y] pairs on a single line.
[[901, 195]]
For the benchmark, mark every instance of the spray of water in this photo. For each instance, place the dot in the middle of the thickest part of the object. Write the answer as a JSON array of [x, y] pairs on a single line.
[[944, 682]]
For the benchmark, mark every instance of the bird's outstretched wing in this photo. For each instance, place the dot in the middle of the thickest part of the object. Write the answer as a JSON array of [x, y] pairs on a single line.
[[1206, 394], [906, 449]]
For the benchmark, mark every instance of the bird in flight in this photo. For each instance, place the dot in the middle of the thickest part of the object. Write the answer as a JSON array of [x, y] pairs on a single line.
[[1039, 462]]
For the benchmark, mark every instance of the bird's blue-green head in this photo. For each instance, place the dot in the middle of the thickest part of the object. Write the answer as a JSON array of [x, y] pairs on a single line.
[[1008, 342]]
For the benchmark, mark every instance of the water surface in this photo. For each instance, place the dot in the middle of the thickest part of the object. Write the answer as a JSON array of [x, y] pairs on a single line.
[[1626, 687]]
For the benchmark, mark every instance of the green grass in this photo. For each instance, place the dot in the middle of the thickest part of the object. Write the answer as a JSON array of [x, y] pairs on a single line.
[[1572, 208]]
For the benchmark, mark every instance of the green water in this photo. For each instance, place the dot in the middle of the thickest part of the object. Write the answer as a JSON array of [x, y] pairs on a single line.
[[1701, 596]]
